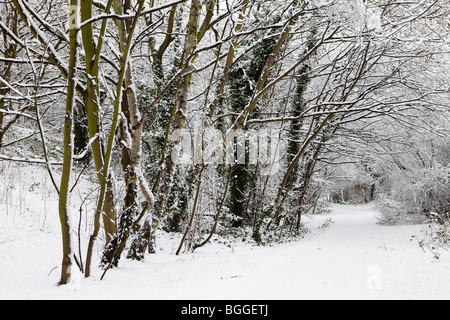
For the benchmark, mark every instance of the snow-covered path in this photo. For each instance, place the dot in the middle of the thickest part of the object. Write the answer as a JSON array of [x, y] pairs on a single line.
[[352, 258]]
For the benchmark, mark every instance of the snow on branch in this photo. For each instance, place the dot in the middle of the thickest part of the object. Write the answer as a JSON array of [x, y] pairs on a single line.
[[130, 16]]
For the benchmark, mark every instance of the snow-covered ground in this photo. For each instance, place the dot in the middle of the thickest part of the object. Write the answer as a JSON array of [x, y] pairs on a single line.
[[352, 257]]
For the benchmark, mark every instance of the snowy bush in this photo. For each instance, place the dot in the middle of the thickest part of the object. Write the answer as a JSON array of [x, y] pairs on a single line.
[[417, 196], [353, 15], [436, 236], [353, 184]]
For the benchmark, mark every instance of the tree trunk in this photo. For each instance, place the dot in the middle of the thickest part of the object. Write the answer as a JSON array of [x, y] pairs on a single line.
[[92, 56], [124, 66], [142, 239], [131, 132], [64, 199]]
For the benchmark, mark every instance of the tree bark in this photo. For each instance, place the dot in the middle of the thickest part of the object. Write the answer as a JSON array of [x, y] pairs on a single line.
[[114, 124], [64, 197], [143, 237]]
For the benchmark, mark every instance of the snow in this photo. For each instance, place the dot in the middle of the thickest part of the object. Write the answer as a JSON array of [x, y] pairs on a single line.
[[346, 255]]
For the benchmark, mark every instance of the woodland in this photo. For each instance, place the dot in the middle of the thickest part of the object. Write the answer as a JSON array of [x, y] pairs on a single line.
[[225, 117]]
